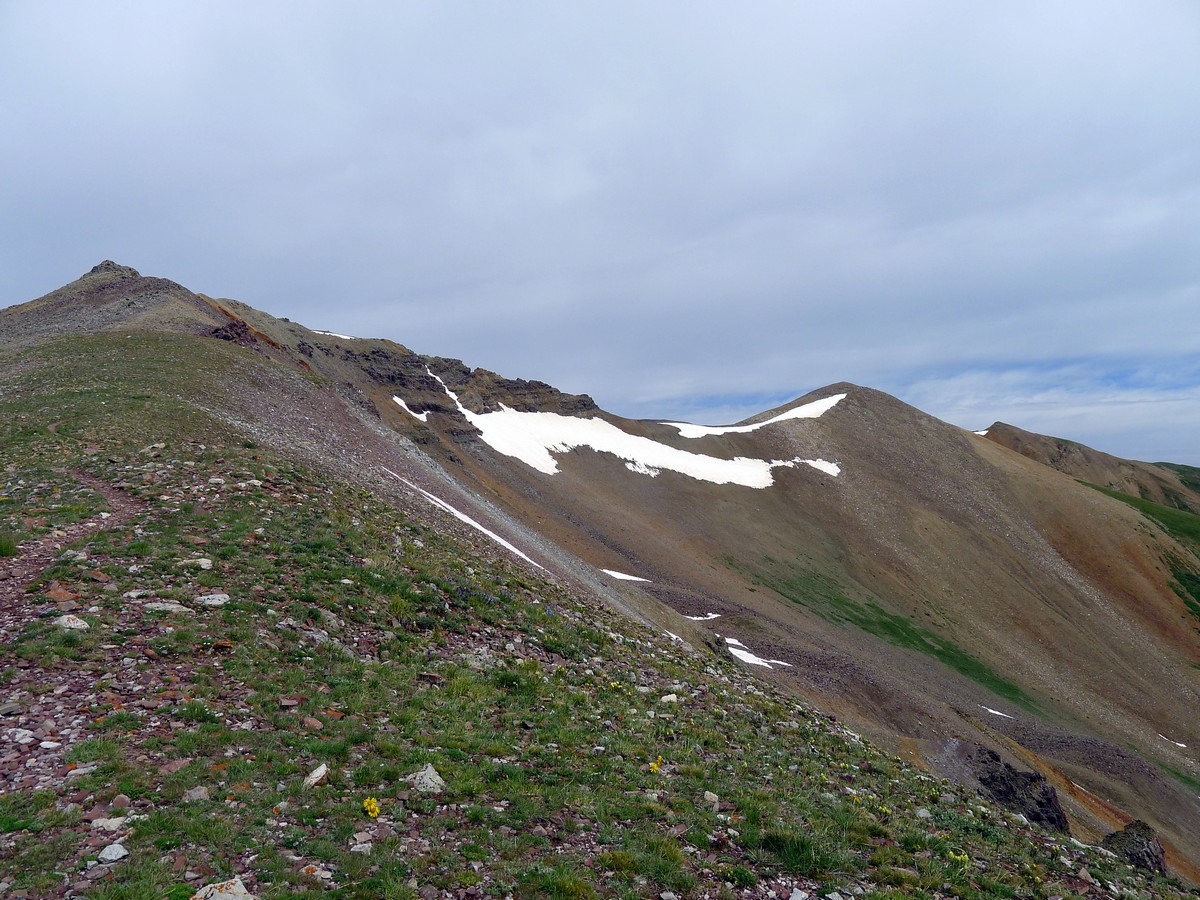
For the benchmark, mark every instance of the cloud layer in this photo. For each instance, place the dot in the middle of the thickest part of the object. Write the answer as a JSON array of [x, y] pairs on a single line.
[[686, 211]]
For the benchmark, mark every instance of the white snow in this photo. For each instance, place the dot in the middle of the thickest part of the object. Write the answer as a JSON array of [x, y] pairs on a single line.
[[994, 712], [437, 501], [345, 337], [532, 436], [811, 410], [704, 618], [983, 433], [674, 637], [421, 417], [1169, 741], [621, 576], [829, 468], [742, 652]]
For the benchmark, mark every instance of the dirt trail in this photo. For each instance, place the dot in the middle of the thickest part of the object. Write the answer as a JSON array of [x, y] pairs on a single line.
[[35, 555]]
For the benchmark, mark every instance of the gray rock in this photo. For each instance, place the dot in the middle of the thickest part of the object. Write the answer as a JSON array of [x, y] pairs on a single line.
[[197, 793], [71, 623], [426, 780], [213, 600], [923, 813], [167, 606], [113, 853]]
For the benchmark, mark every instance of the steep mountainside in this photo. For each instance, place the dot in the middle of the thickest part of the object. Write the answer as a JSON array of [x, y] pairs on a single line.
[[966, 602]]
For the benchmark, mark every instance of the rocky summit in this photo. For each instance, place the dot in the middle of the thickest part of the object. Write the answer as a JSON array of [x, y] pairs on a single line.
[[288, 613]]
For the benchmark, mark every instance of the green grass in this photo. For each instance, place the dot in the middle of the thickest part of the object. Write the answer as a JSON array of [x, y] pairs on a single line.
[[1187, 779], [1189, 475], [8, 544], [823, 595], [1180, 524]]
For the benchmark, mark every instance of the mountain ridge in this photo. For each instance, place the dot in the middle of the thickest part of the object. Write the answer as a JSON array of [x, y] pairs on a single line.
[[861, 581]]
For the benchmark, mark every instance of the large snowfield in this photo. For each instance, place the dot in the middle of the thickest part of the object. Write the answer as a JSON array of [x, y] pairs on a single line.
[[533, 438]]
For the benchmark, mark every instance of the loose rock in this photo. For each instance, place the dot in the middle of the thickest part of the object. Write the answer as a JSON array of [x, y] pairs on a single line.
[[427, 780], [113, 853]]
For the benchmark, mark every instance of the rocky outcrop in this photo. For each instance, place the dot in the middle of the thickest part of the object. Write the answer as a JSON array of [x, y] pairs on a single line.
[[1139, 844], [1027, 793], [236, 332], [108, 267]]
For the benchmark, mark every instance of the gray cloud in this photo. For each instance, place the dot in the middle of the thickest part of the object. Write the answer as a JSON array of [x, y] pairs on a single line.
[[992, 212]]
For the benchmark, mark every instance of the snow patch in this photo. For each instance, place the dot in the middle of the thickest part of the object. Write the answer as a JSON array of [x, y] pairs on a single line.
[[811, 410], [983, 433], [345, 337], [674, 637], [621, 576], [420, 417], [823, 465], [705, 618], [994, 712], [1169, 741], [533, 436], [437, 501], [742, 652]]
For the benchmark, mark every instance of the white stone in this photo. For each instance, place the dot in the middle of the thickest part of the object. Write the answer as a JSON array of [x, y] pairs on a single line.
[[167, 606], [317, 776], [114, 824], [213, 600], [112, 853], [71, 623], [233, 889], [668, 698], [427, 780]]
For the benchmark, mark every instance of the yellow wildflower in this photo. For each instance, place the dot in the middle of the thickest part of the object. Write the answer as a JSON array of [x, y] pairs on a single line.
[[371, 807], [656, 765]]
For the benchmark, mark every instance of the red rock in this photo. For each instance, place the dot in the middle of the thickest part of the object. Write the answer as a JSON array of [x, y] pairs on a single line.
[[58, 593]]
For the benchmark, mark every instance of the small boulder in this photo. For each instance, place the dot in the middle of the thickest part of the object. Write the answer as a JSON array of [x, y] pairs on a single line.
[[317, 776], [426, 780], [71, 623], [113, 853]]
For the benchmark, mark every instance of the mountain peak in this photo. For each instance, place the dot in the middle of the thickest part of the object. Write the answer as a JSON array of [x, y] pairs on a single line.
[[108, 267]]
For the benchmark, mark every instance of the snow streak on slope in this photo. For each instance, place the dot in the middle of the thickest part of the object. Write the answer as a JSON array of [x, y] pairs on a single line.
[[742, 652], [420, 417], [621, 576], [533, 436], [346, 337], [463, 517], [807, 411]]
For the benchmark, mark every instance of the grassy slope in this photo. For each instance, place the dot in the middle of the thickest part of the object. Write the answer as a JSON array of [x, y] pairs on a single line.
[[247, 702], [826, 598], [1182, 525]]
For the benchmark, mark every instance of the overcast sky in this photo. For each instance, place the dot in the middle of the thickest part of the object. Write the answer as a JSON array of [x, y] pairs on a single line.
[[687, 210]]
